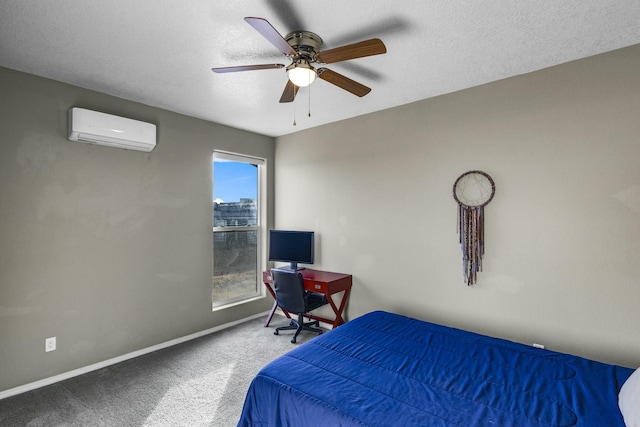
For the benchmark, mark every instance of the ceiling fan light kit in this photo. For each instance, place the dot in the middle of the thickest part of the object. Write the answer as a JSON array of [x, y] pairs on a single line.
[[304, 49], [301, 74]]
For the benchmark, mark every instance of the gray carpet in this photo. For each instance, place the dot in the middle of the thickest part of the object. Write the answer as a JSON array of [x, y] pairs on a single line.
[[198, 383]]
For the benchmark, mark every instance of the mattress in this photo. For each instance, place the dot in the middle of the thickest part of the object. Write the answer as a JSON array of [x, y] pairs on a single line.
[[384, 369]]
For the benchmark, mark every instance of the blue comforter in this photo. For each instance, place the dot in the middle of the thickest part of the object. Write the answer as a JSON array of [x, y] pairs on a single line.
[[384, 369]]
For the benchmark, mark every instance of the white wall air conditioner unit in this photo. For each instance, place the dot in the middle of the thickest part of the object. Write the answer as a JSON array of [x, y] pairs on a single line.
[[114, 131]]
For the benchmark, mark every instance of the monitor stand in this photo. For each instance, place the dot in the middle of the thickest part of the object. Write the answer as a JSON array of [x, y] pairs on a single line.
[[293, 266]]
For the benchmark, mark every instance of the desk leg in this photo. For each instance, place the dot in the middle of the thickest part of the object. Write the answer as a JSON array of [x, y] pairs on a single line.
[[275, 305], [338, 310], [273, 310]]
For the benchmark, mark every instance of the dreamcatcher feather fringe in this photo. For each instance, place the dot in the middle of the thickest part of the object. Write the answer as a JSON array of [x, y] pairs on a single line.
[[471, 231]]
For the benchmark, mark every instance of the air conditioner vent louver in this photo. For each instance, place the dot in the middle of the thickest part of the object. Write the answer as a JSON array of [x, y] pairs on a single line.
[[114, 131]]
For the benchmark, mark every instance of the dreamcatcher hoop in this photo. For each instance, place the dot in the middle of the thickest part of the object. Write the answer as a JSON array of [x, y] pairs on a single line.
[[472, 191]]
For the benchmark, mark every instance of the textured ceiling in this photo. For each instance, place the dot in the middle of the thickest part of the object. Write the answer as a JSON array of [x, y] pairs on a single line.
[[160, 52]]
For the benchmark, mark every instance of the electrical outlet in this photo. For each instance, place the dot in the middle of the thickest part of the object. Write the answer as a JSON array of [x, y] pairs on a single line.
[[50, 344]]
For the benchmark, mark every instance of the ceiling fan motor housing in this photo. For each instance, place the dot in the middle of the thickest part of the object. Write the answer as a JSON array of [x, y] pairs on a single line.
[[306, 43]]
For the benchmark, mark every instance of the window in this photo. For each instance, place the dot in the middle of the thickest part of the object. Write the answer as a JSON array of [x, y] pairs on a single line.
[[237, 232]]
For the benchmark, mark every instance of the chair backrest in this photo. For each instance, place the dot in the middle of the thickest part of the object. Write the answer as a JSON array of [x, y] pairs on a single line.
[[289, 287]]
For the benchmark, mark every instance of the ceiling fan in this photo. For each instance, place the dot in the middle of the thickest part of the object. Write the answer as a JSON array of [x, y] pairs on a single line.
[[304, 49]]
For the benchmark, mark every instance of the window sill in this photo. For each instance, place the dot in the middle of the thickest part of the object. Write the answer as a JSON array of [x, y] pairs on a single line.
[[235, 303]]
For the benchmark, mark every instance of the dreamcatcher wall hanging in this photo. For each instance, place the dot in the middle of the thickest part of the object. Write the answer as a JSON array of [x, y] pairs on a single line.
[[472, 190]]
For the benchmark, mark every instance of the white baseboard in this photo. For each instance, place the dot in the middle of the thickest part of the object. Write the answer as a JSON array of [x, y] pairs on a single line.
[[70, 374]]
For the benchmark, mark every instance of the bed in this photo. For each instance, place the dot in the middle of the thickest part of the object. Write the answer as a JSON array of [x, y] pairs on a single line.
[[384, 369]]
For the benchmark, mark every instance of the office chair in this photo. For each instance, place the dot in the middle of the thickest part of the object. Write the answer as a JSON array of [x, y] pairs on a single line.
[[292, 297]]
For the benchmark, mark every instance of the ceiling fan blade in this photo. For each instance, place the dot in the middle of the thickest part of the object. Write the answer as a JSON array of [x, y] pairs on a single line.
[[246, 68], [343, 82], [290, 91], [351, 51], [268, 32], [289, 14]]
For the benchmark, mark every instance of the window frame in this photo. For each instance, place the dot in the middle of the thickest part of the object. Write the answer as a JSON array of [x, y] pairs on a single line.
[[259, 228]]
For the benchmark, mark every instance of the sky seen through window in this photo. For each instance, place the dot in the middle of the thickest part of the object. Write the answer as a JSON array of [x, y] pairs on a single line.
[[234, 180]]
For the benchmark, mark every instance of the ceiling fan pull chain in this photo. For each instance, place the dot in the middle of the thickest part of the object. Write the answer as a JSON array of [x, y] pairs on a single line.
[[293, 104], [309, 101]]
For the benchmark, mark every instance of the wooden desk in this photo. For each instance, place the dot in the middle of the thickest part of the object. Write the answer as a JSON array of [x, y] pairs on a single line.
[[323, 282]]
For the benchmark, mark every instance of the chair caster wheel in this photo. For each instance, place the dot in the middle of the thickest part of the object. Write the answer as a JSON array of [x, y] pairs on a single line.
[[293, 340], [275, 333]]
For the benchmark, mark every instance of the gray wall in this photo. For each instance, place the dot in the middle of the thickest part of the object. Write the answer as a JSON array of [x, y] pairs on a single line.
[[109, 250], [562, 233]]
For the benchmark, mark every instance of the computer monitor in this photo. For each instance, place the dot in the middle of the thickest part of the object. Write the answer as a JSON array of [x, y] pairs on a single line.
[[291, 246]]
